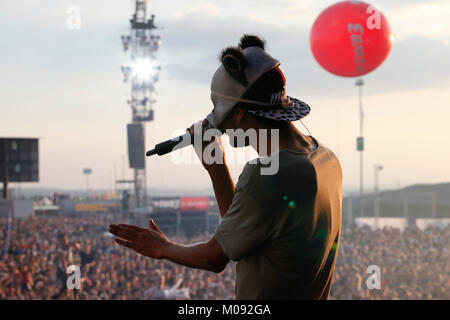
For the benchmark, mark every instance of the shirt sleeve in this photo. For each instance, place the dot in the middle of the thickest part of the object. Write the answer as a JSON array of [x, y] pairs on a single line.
[[247, 223]]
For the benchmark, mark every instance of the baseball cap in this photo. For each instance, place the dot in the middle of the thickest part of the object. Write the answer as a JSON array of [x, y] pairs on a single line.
[[250, 76]]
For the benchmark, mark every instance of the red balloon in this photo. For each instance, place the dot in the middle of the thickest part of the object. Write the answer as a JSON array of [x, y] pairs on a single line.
[[350, 38]]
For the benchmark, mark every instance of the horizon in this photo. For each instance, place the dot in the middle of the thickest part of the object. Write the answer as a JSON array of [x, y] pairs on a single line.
[[196, 190]]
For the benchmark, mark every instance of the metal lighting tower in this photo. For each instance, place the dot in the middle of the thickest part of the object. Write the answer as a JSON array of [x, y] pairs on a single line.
[[360, 147], [376, 206], [142, 73]]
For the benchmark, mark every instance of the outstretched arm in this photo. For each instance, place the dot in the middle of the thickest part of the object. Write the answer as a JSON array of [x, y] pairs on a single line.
[[205, 255], [154, 244]]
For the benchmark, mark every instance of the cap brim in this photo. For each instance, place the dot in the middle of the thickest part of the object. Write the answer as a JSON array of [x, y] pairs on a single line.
[[297, 112]]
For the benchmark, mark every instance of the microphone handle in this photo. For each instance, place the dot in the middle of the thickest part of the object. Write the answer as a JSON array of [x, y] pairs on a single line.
[[169, 145]]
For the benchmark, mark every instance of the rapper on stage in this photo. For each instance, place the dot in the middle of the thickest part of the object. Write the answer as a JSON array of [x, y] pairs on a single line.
[[281, 226]]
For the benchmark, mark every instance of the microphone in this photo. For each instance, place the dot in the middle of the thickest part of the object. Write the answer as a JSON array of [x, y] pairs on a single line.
[[176, 143], [169, 145]]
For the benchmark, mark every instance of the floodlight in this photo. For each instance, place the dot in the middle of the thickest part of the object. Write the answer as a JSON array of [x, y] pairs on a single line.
[[144, 69]]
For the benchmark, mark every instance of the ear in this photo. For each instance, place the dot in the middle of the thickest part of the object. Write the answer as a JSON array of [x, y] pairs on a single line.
[[234, 61], [239, 115], [248, 40]]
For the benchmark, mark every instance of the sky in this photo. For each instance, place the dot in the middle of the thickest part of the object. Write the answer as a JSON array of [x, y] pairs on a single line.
[[65, 87]]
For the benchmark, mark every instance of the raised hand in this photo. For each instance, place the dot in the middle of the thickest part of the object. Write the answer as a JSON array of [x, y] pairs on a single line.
[[215, 155], [148, 242]]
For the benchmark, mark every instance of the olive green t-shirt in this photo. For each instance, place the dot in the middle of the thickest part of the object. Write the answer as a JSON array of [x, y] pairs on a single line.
[[283, 229]]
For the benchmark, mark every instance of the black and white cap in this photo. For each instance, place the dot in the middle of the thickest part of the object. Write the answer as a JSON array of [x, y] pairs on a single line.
[[250, 76]]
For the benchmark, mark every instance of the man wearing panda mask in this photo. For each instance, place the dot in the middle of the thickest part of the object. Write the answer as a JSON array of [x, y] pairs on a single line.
[[283, 229]]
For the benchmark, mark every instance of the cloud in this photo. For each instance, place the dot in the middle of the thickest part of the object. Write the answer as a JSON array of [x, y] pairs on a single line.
[[202, 8], [402, 3], [75, 97], [193, 43], [429, 19], [407, 17], [302, 12]]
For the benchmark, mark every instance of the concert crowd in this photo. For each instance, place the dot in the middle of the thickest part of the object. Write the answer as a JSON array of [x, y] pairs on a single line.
[[413, 264]]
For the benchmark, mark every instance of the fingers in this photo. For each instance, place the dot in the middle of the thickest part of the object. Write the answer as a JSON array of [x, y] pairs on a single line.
[[197, 127], [136, 228], [191, 129], [153, 226], [124, 232], [124, 243]]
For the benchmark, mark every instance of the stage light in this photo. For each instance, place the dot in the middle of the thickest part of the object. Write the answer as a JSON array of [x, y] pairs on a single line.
[[144, 69]]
